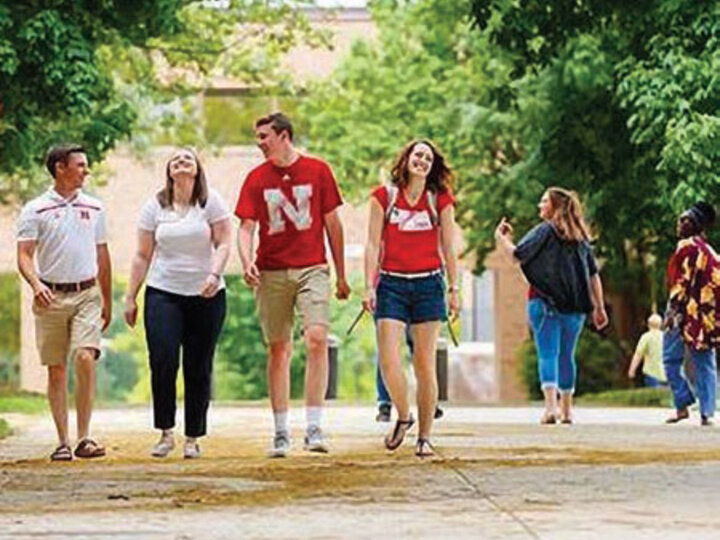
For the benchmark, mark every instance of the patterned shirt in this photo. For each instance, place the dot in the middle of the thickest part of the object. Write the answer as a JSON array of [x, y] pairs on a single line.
[[694, 299]]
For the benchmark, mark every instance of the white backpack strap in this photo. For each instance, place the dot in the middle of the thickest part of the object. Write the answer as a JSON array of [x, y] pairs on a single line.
[[432, 203], [392, 193]]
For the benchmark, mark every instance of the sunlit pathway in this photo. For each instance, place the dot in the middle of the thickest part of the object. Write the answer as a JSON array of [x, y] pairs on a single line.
[[616, 473]]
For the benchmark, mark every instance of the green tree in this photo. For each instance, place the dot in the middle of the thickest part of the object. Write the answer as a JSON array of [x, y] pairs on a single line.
[[426, 75], [94, 71], [616, 100], [619, 101]]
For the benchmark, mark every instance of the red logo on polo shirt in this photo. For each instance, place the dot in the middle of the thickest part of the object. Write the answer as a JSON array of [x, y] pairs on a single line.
[[84, 214]]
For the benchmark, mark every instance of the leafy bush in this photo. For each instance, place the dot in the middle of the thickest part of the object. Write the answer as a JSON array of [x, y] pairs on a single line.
[[4, 429], [631, 397], [599, 362], [10, 330], [22, 402]]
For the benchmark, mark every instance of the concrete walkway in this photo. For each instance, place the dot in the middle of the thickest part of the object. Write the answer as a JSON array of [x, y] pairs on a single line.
[[616, 473]]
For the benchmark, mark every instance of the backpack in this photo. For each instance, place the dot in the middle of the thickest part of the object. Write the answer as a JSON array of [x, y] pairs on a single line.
[[392, 193]]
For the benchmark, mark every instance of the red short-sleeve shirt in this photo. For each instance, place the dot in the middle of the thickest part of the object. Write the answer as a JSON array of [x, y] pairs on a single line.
[[410, 238], [290, 204]]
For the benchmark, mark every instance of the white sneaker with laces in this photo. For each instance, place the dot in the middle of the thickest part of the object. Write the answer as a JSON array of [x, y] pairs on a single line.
[[191, 450], [164, 446], [315, 440], [280, 445]]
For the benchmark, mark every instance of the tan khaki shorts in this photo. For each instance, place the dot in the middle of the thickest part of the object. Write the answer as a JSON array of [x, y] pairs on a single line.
[[71, 322], [282, 291]]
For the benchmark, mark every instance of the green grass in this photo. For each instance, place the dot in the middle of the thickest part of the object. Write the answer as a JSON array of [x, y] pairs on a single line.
[[22, 402], [632, 397], [4, 429]]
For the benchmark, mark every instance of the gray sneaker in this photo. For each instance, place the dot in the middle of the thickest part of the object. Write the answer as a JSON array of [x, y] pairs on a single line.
[[164, 446], [191, 450], [280, 445], [315, 440]]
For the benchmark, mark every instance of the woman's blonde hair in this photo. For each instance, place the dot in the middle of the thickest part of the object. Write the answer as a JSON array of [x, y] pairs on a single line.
[[567, 215]]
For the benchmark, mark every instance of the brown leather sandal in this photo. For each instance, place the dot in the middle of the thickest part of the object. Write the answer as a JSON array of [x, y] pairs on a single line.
[[88, 449], [392, 442], [62, 453]]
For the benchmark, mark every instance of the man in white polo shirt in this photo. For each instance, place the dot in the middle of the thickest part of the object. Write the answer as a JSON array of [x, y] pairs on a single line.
[[66, 229]]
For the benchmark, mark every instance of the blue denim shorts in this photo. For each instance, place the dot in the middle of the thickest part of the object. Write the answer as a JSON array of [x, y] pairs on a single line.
[[411, 301]]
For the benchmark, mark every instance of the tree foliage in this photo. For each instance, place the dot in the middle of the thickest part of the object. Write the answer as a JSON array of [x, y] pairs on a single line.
[[94, 71], [617, 100]]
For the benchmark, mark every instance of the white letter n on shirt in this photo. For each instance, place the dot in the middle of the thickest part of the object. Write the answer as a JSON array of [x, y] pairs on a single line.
[[278, 204]]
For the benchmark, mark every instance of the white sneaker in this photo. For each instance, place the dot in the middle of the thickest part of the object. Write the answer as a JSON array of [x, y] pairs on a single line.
[[191, 450], [315, 440], [280, 445], [164, 446]]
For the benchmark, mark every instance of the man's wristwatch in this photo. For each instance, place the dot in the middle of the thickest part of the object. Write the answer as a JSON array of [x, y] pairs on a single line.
[[453, 288]]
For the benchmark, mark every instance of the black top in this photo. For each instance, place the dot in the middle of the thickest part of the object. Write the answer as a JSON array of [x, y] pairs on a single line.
[[559, 270]]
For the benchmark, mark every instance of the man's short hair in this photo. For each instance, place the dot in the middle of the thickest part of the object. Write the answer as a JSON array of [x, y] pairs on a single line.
[[61, 152], [278, 122]]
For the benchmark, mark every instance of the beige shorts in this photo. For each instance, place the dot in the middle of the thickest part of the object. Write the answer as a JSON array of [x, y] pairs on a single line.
[[73, 321], [281, 292]]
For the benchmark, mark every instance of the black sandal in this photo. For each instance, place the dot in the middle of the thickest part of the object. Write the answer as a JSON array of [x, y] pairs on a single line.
[[399, 431], [424, 449]]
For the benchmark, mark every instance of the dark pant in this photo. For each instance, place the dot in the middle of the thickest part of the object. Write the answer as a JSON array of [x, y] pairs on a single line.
[[193, 323]]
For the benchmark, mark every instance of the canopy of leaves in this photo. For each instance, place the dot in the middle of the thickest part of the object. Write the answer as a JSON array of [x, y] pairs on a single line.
[[620, 101], [617, 100], [93, 71]]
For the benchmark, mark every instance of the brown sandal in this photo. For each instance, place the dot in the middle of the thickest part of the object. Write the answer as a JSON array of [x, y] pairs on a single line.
[[398, 434], [62, 453], [88, 449]]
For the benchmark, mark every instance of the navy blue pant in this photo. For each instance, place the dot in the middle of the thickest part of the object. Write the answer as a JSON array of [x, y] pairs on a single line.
[[193, 323]]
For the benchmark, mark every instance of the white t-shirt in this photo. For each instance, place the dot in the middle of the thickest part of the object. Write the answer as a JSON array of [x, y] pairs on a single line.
[[183, 244], [67, 232]]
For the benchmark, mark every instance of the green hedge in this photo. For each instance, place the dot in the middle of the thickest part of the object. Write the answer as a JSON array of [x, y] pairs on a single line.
[[4, 429], [21, 402], [10, 329], [631, 397], [599, 365]]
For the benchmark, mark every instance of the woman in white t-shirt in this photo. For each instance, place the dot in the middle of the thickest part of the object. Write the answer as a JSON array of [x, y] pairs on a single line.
[[184, 240]]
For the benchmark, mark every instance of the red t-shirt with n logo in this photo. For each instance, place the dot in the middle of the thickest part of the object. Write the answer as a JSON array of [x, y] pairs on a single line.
[[410, 237], [289, 203]]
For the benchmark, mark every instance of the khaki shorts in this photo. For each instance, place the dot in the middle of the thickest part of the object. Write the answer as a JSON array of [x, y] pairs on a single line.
[[282, 291], [71, 322]]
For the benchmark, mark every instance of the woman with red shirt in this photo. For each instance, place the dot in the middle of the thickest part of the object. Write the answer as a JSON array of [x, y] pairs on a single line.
[[411, 219]]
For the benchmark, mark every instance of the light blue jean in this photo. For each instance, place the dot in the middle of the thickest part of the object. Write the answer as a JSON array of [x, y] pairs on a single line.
[[556, 335], [705, 373]]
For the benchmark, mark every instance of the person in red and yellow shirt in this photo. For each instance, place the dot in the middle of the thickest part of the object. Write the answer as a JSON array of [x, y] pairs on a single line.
[[294, 199], [693, 313]]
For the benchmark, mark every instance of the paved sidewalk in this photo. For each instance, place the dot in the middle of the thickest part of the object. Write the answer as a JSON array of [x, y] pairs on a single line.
[[616, 473]]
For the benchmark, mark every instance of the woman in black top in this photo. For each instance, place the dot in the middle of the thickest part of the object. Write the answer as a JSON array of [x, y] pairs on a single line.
[[557, 260]]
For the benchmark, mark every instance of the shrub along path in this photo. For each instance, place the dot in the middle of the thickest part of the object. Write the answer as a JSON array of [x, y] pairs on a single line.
[[616, 473]]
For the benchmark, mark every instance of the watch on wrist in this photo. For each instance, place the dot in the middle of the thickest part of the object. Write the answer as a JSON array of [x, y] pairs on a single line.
[[453, 288]]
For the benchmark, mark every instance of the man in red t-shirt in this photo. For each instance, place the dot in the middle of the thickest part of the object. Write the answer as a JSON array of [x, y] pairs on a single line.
[[295, 199]]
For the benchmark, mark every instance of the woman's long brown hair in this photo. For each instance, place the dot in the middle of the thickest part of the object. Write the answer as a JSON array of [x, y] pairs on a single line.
[[439, 178], [200, 188], [567, 215]]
